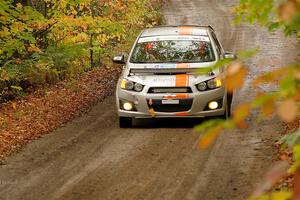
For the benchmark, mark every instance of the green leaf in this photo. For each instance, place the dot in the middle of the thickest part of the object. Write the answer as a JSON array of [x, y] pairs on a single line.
[[292, 139], [220, 63], [18, 88], [273, 26], [243, 55], [208, 125]]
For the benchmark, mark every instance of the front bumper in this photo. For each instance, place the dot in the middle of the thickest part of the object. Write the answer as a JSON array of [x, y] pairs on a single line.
[[198, 108]]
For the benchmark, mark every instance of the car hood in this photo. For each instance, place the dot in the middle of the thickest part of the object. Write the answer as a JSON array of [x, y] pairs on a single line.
[[154, 75]]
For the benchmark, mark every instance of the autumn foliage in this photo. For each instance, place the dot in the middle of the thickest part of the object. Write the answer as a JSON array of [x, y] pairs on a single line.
[[44, 110], [43, 41], [46, 45]]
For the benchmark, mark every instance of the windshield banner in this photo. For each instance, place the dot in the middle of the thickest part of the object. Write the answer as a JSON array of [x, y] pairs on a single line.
[[174, 38]]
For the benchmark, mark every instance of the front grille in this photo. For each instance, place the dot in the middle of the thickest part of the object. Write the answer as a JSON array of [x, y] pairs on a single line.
[[160, 90], [184, 105]]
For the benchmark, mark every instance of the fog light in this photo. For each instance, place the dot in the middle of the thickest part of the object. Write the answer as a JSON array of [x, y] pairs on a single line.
[[213, 105], [127, 106]]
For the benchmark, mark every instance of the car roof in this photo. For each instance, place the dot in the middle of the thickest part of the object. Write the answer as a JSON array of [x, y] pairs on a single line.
[[177, 30]]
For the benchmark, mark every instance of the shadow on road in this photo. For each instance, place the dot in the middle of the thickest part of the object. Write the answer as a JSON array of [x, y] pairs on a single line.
[[169, 123]]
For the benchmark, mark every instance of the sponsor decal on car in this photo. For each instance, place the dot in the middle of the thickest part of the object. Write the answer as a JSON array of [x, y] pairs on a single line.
[[175, 37]]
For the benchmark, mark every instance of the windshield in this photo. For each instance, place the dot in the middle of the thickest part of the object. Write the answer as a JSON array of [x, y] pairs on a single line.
[[173, 50]]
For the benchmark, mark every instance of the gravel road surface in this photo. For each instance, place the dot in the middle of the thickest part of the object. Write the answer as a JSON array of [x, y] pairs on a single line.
[[91, 158]]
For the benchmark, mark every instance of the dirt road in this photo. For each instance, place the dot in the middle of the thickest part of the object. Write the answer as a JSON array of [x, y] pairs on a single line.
[[91, 158]]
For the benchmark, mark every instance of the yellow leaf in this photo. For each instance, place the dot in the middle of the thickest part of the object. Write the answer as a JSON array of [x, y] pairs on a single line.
[[33, 48], [19, 5], [287, 110], [152, 112], [268, 108], [281, 195]]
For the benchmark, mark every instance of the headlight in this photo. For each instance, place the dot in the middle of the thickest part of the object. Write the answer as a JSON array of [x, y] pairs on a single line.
[[131, 86], [202, 86], [138, 87], [214, 83], [210, 84]]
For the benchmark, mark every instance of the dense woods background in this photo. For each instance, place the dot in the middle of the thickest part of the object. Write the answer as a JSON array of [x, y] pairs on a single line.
[[44, 41]]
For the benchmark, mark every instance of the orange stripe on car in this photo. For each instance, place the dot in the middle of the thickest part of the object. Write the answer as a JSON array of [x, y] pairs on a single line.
[[185, 30], [177, 96], [182, 80]]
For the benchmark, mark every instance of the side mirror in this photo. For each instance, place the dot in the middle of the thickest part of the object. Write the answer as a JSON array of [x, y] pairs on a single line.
[[120, 59], [229, 55]]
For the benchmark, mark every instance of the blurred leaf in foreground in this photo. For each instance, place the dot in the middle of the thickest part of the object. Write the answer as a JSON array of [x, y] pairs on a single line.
[[297, 186], [291, 139], [209, 137], [273, 176], [234, 76], [287, 110], [288, 10], [240, 114]]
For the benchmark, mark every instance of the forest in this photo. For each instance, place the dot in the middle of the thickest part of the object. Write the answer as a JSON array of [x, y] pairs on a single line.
[[43, 42]]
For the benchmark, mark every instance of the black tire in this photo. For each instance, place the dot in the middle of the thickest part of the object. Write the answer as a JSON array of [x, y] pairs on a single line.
[[125, 122], [229, 102], [227, 113]]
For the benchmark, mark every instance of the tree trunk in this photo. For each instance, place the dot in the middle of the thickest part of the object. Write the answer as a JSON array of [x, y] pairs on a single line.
[[91, 50]]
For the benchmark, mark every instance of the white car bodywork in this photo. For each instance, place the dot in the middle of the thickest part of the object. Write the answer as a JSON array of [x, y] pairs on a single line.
[[170, 89]]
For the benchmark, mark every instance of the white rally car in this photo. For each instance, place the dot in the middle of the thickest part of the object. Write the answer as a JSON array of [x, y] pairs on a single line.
[[160, 78]]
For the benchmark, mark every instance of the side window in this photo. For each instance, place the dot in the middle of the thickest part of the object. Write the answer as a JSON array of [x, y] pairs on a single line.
[[219, 48]]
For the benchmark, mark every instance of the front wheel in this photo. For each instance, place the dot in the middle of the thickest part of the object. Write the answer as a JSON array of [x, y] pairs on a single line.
[[125, 122]]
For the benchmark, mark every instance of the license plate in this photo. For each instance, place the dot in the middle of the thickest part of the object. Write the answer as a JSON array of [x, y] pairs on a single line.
[[170, 101]]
